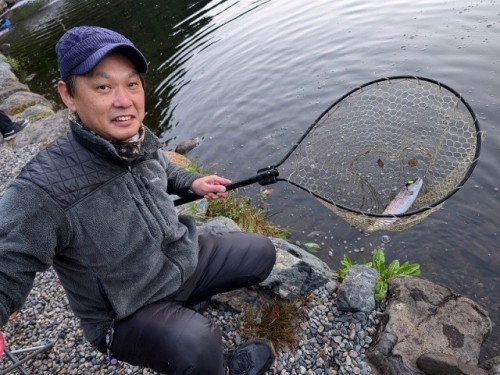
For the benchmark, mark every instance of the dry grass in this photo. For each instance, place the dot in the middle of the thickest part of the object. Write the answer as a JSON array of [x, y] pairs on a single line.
[[277, 320]]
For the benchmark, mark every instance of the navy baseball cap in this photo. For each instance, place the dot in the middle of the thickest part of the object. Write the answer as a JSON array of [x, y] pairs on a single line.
[[81, 48]]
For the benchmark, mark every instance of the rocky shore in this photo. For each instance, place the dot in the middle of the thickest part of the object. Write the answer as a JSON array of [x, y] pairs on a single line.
[[7, 4], [423, 328]]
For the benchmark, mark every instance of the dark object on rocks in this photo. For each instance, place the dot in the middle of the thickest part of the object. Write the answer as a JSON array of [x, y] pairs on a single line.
[[4, 46], [357, 291], [423, 315], [184, 147], [492, 365], [439, 364], [17, 127], [252, 358]]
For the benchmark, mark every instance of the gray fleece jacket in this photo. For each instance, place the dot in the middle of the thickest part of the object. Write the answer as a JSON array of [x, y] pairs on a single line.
[[109, 229]]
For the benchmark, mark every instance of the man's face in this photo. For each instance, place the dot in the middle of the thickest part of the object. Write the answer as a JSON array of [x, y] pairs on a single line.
[[109, 99]]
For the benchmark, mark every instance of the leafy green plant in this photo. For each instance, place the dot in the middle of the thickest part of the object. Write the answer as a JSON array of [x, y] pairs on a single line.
[[384, 273]]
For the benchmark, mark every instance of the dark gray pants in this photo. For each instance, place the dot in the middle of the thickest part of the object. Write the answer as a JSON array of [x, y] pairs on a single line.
[[168, 336]]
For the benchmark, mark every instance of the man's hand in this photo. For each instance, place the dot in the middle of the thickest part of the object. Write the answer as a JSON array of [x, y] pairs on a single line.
[[210, 187]]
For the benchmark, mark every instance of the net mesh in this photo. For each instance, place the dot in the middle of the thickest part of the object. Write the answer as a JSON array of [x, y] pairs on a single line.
[[360, 153]]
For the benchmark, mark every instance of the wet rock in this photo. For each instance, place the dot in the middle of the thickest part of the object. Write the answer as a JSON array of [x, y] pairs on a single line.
[[296, 271], [29, 78], [492, 366], [423, 315], [218, 225], [439, 364], [178, 159], [357, 291], [184, 147]]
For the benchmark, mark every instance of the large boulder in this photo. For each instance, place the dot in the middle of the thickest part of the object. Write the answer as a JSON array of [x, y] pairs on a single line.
[[296, 271], [44, 131], [439, 364], [9, 83], [21, 101], [424, 317]]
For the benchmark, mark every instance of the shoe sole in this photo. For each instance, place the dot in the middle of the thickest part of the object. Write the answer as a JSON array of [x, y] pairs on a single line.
[[9, 137]]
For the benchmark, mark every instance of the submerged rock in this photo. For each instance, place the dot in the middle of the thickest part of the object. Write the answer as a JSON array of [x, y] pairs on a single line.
[[184, 147]]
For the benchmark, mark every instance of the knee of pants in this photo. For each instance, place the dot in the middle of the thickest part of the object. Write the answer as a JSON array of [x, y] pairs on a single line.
[[199, 352], [267, 255]]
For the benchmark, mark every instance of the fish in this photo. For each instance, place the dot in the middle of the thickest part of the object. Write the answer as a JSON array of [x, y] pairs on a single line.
[[399, 205]]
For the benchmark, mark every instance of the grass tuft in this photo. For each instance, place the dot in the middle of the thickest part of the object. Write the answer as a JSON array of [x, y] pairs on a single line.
[[249, 219], [277, 320]]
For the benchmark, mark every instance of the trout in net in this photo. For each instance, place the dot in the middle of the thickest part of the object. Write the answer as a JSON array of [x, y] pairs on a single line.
[[399, 205]]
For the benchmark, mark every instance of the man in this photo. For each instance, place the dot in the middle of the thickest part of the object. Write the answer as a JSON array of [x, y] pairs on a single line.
[[10, 129], [95, 205]]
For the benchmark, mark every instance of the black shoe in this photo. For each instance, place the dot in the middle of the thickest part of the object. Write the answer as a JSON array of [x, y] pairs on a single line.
[[16, 128], [252, 358]]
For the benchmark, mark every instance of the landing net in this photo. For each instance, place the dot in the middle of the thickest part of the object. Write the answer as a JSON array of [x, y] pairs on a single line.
[[360, 152]]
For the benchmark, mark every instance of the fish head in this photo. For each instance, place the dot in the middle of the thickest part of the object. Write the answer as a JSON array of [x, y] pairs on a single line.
[[413, 186]]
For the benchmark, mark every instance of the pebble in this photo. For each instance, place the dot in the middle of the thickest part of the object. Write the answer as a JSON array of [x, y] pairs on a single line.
[[330, 342]]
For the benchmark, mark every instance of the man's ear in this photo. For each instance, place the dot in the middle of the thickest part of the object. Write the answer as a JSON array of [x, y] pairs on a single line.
[[65, 96]]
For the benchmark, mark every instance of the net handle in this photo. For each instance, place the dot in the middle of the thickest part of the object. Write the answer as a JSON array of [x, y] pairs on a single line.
[[264, 176]]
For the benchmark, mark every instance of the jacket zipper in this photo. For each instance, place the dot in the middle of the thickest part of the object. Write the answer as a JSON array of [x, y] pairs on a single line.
[[130, 167]]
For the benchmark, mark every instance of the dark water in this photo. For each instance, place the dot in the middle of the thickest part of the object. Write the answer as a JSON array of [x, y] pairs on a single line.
[[248, 77]]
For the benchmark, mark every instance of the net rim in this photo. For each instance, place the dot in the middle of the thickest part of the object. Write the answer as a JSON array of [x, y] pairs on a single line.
[[361, 87]]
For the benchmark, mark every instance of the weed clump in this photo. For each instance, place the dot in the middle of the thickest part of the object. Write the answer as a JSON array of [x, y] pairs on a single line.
[[277, 320], [249, 219]]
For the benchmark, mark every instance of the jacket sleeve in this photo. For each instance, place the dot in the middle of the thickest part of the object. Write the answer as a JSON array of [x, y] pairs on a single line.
[[32, 227], [179, 180]]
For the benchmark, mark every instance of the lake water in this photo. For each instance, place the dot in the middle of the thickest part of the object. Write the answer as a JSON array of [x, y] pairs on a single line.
[[248, 77]]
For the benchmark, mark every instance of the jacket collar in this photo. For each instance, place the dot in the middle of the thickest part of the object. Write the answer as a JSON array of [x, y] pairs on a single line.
[[105, 148]]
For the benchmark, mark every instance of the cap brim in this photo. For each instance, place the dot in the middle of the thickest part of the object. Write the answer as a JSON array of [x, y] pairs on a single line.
[[129, 51]]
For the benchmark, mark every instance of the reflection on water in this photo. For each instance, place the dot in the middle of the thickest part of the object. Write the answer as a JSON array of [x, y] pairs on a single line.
[[249, 76]]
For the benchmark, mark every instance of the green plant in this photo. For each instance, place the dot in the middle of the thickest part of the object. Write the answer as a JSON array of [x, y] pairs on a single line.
[[14, 64], [384, 273], [248, 218]]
